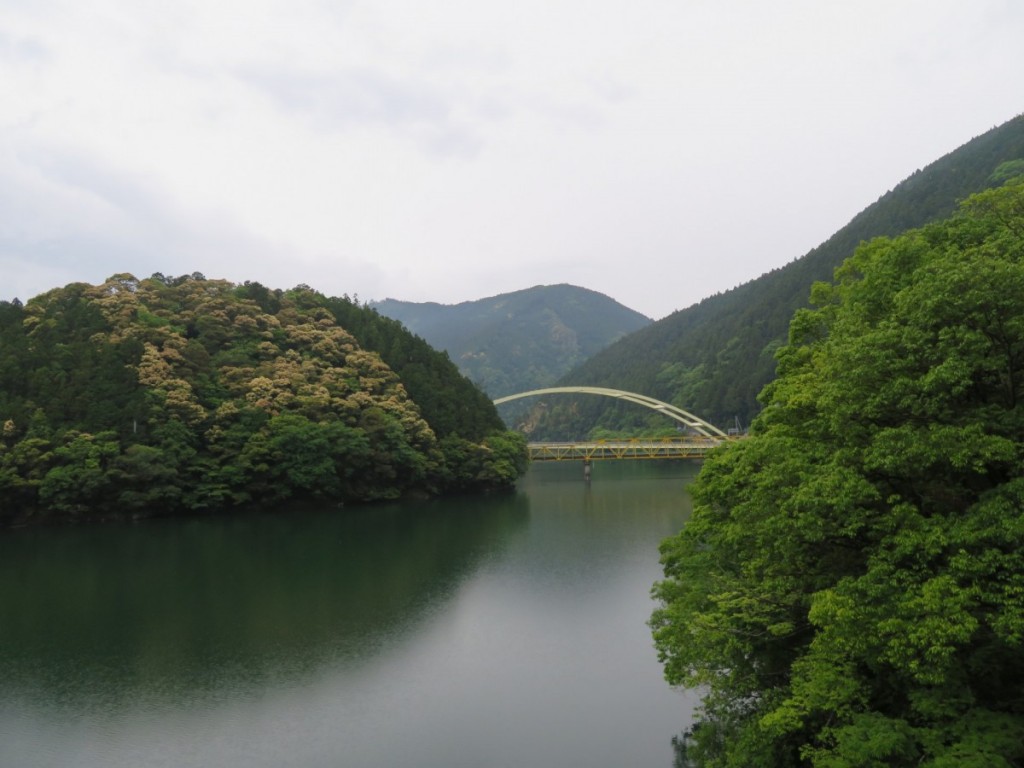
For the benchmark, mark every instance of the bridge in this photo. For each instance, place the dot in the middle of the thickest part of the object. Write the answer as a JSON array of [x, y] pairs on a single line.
[[701, 436], [632, 448]]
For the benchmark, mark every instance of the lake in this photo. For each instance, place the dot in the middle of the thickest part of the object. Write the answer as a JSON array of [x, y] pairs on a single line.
[[506, 630]]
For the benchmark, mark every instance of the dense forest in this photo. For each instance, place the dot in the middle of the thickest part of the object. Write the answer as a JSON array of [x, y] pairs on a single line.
[[169, 395], [715, 357], [523, 340], [850, 588]]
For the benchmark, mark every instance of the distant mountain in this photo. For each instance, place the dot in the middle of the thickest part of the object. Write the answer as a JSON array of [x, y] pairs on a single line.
[[713, 358], [522, 340]]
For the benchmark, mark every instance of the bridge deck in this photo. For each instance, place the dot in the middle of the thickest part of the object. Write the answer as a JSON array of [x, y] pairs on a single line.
[[637, 448]]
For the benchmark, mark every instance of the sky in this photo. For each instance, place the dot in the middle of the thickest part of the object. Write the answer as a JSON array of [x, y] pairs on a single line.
[[657, 151]]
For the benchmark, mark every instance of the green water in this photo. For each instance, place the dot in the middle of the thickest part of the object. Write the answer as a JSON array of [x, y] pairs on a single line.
[[499, 631]]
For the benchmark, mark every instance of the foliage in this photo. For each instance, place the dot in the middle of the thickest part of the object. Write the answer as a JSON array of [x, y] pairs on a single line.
[[448, 400], [713, 358], [850, 588], [181, 394], [499, 460], [522, 340]]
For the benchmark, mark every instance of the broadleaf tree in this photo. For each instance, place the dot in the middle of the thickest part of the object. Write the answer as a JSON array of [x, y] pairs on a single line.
[[850, 588]]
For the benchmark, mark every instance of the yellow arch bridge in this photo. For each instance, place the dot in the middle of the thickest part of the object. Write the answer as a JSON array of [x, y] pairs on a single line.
[[700, 436]]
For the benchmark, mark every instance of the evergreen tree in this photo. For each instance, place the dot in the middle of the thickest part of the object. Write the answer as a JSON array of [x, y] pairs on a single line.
[[168, 395]]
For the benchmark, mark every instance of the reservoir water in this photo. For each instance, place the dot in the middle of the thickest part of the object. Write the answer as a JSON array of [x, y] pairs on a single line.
[[508, 630]]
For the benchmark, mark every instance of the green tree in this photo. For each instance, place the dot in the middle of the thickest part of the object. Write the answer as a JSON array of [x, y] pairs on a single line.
[[850, 589], [293, 456], [23, 465], [144, 479], [505, 458], [497, 462], [79, 482], [171, 395]]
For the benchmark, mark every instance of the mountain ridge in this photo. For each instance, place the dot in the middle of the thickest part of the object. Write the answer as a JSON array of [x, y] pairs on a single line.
[[519, 340], [714, 357]]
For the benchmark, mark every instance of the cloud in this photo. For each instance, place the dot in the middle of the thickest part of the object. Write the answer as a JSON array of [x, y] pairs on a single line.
[[68, 216], [366, 99], [16, 50], [352, 97], [656, 152]]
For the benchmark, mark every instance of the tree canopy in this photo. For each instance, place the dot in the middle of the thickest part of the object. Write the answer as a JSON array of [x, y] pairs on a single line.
[[850, 588], [167, 395]]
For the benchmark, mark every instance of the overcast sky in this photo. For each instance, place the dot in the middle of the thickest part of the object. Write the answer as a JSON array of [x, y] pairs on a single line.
[[658, 151]]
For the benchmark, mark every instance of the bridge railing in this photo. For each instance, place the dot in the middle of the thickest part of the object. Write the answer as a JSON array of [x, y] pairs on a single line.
[[690, 447]]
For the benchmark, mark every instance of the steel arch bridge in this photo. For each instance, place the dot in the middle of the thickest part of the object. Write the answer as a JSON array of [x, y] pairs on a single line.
[[686, 418], [706, 437]]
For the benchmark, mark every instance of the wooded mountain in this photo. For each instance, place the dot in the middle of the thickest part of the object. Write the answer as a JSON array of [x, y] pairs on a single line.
[[521, 340], [714, 357], [849, 590], [169, 395]]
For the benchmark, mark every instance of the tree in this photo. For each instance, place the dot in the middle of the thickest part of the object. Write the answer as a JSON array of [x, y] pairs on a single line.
[[495, 463], [171, 395], [850, 588], [79, 482]]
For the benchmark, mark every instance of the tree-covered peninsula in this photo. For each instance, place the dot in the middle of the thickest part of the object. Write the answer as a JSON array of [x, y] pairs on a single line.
[[182, 395], [850, 588]]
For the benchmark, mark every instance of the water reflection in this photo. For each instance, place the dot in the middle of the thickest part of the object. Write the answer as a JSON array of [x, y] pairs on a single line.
[[499, 631], [185, 608]]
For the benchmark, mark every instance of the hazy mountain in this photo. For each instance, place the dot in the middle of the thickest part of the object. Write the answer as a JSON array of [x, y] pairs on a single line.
[[522, 340], [714, 357]]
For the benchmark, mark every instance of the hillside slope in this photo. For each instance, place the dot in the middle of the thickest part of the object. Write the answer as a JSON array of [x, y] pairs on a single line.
[[521, 340], [714, 358], [170, 395]]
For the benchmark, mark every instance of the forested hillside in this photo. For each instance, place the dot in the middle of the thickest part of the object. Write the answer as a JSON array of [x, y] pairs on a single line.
[[849, 590], [522, 340], [715, 357], [166, 395]]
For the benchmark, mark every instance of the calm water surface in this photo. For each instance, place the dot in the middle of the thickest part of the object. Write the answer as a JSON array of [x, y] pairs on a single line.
[[504, 631]]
